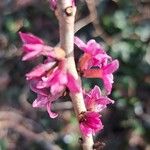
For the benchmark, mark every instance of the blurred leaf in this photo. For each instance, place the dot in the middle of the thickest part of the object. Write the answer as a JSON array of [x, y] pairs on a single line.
[[143, 31], [2, 145], [119, 20]]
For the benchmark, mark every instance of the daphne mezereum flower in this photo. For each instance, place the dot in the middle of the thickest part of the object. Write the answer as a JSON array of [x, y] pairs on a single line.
[[50, 85], [53, 3], [52, 73], [95, 63], [90, 122], [50, 78], [94, 54], [94, 100], [45, 102], [34, 47]]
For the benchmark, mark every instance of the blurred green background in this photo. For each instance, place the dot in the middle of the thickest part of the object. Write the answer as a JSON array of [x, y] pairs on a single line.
[[123, 28]]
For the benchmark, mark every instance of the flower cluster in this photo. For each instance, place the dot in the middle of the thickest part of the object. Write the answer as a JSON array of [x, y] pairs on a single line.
[[50, 79], [95, 63]]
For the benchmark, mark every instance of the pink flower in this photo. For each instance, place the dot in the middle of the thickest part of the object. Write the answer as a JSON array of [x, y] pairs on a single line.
[[58, 79], [50, 83], [105, 73], [94, 55], [33, 86], [34, 47], [94, 100], [90, 122], [45, 102], [28, 38], [95, 63], [39, 70]]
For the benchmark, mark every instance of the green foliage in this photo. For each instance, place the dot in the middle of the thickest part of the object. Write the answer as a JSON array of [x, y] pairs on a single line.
[[2, 145]]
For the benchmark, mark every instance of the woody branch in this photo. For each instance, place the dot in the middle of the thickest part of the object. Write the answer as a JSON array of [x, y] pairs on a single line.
[[66, 16]]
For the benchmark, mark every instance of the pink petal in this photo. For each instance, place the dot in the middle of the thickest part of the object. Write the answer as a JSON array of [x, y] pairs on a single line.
[[85, 62], [39, 70], [35, 50], [73, 84], [96, 92], [51, 114], [57, 88], [45, 102], [31, 55], [90, 123], [85, 129], [108, 81], [49, 80], [90, 103], [33, 87], [104, 101], [80, 43], [63, 77], [92, 47], [93, 73], [32, 47], [48, 51], [112, 67], [45, 82], [101, 57], [40, 101], [95, 102], [29, 38]]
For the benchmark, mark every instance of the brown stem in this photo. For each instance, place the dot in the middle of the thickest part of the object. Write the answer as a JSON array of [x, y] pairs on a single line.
[[66, 15]]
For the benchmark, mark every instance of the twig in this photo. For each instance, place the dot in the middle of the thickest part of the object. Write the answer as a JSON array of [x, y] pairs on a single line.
[[94, 16], [66, 24], [13, 120], [82, 23]]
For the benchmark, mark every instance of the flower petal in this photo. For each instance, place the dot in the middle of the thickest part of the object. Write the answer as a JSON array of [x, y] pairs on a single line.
[[85, 129], [51, 114], [39, 70], [90, 123], [80, 43], [29, 38], [112, 67], [33, 87], [108, 81], [93, 73], [40, 101], [92, 47], [31, 55], [96, 92], [85, 62], [57, 88], [32, 47], [73, 84]]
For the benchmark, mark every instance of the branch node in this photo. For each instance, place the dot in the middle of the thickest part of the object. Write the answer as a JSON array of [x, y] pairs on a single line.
[[69, 11]]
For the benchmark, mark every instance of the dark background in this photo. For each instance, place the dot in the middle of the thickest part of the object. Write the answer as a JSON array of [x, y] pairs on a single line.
[[123, 28]]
